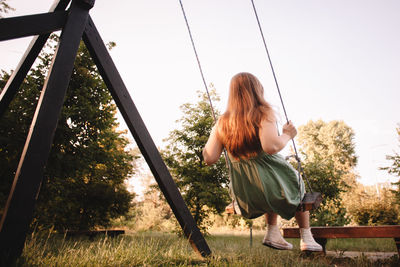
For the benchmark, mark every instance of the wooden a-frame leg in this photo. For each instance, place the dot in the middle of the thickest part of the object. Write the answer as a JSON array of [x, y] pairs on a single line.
[[117, 88], [20, 205]]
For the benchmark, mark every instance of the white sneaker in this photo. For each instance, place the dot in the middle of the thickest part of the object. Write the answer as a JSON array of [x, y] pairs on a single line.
[[274, 239], [307, 242]]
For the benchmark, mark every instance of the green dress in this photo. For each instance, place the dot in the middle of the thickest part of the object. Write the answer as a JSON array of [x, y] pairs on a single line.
[[265, 183]]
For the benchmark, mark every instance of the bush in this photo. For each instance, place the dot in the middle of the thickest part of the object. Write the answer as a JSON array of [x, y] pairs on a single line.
[[380, 213]]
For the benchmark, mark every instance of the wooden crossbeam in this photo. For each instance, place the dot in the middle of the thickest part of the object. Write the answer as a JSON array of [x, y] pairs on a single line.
[[18, 27]]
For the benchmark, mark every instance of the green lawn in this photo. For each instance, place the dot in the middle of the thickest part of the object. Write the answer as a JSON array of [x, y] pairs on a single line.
[[161, 249]]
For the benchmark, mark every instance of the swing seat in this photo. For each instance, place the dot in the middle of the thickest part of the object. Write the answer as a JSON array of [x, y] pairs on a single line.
[[311, 201]]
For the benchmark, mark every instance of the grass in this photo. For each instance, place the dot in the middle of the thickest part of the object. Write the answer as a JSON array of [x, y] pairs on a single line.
[[161, 249], [362, 244]]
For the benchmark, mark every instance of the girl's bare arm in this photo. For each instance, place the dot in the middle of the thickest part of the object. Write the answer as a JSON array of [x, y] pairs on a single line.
[[213, 149], [271, 142]]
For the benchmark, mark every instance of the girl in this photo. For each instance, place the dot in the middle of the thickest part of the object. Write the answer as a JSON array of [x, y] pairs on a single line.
[[261, 180]]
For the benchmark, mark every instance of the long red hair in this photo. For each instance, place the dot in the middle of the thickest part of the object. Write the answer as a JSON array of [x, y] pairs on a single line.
[[238, 128]]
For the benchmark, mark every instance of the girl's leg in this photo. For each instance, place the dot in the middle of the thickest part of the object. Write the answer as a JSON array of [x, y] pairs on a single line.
[[273, 237], [271, 218], [307, 241], [303, 219]]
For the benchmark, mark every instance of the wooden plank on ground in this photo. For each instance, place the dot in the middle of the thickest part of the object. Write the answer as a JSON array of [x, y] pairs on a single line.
[[93, 233]]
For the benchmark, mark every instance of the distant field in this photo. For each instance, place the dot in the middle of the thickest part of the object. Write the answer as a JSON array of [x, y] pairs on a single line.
[[162, 249]]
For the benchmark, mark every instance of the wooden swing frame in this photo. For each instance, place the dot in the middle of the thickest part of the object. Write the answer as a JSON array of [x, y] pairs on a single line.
[[76, 24]]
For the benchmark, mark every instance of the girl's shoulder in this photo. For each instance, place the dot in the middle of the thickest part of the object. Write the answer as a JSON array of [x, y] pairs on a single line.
[[267, 123]]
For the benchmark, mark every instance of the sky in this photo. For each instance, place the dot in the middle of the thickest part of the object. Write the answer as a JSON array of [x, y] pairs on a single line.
[[334, 60]]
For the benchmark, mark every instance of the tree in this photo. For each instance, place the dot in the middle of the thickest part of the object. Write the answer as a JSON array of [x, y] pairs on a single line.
[[4, 8], [204, 188], [329, 159], [83, 185], [377, 205], [373, 205], [394, 169]]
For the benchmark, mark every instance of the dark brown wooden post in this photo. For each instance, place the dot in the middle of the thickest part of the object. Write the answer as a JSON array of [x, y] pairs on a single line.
[[20, 204]]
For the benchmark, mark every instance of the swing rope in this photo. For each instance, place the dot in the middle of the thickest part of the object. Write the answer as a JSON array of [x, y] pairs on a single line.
[[198, 62], [296, 156], [202, 77]]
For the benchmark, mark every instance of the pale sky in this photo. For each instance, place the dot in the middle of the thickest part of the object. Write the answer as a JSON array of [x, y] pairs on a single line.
[[334, 60]]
